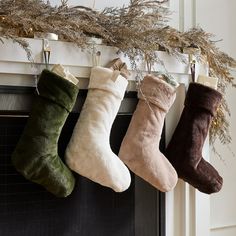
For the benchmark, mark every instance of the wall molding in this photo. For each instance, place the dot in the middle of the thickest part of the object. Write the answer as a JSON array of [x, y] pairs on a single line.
[[186, 14], [223, 227]]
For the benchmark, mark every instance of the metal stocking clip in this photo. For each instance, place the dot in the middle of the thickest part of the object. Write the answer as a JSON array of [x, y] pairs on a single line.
[[96, 56], [46, 51], [193, 70]]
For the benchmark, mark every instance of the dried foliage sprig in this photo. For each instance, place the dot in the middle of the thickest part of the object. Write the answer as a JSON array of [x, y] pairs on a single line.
[[138, 30]]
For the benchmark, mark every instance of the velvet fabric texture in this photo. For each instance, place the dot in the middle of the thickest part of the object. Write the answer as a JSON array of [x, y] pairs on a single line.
[[185, 148], [140, 147], [88, 152], [35, 155]]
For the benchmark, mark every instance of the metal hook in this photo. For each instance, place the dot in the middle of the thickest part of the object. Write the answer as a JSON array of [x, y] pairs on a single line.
[[96, 56], [193, 53], [46, 52], [149, 64], [193, 69]]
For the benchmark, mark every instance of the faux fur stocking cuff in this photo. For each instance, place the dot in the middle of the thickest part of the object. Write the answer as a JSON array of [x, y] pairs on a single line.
[[55, 88], [106, 79], [202, 96], [157, 91]]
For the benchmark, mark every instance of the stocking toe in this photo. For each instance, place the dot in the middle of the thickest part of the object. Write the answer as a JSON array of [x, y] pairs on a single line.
[[204, 177], [213, 181]]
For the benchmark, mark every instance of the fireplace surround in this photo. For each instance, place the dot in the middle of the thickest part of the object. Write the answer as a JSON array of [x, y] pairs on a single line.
[[184, 211], [92, 210]]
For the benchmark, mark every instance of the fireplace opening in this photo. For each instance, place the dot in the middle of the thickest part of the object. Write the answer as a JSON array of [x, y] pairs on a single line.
[[27, 209]]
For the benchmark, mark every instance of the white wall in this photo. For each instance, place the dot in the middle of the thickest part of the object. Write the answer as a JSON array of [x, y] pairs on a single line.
[[219, 17]]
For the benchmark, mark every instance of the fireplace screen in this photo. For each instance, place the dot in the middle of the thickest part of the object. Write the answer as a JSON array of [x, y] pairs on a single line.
[[27, 209]]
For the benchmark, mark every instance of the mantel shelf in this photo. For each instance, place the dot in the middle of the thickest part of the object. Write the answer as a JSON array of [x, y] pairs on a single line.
[[15, 68]]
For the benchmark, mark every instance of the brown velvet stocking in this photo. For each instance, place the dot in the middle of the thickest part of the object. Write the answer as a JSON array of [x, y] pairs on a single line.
[[140, 147], [185, 148]]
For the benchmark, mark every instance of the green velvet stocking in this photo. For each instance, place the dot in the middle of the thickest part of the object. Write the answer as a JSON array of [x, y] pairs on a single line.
[[35, 156]]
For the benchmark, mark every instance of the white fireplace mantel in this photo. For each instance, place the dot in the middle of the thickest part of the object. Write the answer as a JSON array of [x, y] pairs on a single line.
[[187, 210]]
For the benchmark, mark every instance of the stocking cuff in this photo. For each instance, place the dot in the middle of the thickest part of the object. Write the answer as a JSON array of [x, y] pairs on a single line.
[[57, 89], [106, 79], [157, 91], [202, 96]]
